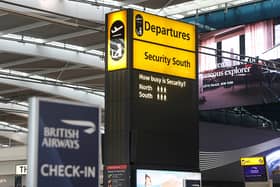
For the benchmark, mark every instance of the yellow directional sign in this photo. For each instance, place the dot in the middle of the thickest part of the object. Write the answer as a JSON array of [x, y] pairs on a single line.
[[157, 44], [252, 161], [164, 45], [163, 31], [169, 61], [117, 40]]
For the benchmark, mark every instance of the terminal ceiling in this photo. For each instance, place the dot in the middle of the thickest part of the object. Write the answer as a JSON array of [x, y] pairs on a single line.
[[56, 49]]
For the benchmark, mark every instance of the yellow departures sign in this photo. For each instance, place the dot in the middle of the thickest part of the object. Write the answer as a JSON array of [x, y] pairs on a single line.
[[252, 161], [164, 45], [164, 31], [117, 40], [158, 44]]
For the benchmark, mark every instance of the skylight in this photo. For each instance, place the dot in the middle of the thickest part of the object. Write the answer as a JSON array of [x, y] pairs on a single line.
[[198, 6], [174, 11]]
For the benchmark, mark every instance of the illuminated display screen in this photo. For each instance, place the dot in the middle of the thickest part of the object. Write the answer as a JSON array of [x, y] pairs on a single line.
[[239, 66], [273, 160], [255, 173], [162, 178]]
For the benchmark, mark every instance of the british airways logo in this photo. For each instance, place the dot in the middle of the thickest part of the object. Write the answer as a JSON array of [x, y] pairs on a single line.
[[67, 138], [91, 127]]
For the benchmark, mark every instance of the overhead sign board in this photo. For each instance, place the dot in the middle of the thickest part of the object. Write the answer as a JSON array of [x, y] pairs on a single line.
[[63, 144], [164, 45], [160, 59], [252, 161], [117, 41]]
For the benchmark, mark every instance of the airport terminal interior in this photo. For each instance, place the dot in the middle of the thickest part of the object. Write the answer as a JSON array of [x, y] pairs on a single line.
[[56, 49]]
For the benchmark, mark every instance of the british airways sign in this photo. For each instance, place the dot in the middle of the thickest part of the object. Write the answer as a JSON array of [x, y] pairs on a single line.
[[65, 138]]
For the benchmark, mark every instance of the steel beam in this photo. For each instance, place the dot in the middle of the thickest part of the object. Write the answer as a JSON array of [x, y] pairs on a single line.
[[16, 136], [51, 52], [15, 109], [70, 35], [70, 93], [21, 62], [24, 28]]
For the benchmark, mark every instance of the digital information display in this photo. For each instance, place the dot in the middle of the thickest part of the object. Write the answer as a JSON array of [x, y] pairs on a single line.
[[255, 173], [167, 178], [63, 144]]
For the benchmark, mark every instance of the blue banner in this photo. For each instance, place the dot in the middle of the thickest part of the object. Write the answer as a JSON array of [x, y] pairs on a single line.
[[68, 145]]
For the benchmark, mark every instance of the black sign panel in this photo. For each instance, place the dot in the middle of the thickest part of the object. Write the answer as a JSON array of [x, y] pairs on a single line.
[[164, 99], [192, 183], [151, 111], [164, 119]]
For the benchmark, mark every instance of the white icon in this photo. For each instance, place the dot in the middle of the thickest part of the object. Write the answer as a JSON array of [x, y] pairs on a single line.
[[81, 123], [117, 53], [116, 29]]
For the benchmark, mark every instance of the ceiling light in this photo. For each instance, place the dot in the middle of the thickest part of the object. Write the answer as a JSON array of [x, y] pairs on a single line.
[[177, 16], [4, 145]]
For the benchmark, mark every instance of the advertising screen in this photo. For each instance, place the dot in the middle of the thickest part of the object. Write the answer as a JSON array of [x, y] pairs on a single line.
[[255, 173], [273, 161], [165, 178], [240, 66]]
